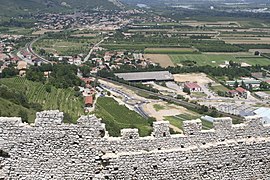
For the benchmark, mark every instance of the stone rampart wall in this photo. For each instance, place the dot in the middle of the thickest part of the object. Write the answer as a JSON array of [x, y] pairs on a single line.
[[50, 149]]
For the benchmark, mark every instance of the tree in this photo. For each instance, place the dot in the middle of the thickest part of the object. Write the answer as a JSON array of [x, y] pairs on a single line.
[[23, 115], [250, 88], [236, 84], [256, 53], [48, 88], [76, 88], [67, 118], [264, 85], [186, 90], [85, 71], [42, 52], [243, 85], [9, 72]]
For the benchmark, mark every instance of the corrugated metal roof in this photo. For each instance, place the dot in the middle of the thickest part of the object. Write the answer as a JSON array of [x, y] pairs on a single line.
[[263, 112], [144, 76]]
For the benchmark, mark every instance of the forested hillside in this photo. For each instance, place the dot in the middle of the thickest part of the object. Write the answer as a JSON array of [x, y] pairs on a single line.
[[24, 7]]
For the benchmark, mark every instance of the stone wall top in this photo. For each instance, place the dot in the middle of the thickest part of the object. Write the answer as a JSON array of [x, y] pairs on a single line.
[[92, 127], [53, 117]]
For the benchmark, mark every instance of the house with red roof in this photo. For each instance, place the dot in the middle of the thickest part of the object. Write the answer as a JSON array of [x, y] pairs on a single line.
[[240, 92], [88, 101], [193, 87]]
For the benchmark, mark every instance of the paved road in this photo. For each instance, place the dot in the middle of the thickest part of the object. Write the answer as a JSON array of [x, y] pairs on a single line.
[[92, 49], [137, 107], [29, 47], [169, 98]]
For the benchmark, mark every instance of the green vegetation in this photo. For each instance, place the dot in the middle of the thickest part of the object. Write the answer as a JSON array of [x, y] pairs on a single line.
[[16, 30], [169, 50], [62, 99], [117, 117], [218, 59], [158, 107], [140, 41], [198, 94], [61, 76], [177, 121], [26, 7], [10, 109], [71, 46], [219, 88]]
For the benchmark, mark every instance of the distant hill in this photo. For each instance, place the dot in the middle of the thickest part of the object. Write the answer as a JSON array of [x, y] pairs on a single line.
[[15, 7]]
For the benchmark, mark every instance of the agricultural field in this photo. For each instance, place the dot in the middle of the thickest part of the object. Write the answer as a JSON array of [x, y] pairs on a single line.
[[163, 60], [61, 46], [211, 24], [169, 50], [217, 88], [83, 35], [62, 99], [66, 47], [43, 31], [267, 51], [246, 40], [117, 117], [16, 30], [198, 94], [219, 59]]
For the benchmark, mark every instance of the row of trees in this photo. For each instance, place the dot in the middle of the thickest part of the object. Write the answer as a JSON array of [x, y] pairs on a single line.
[[61, 75]]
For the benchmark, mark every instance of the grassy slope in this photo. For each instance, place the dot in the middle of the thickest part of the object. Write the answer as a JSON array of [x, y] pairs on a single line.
[[62, 99], [9, 109], [206, 59], [117, 117]]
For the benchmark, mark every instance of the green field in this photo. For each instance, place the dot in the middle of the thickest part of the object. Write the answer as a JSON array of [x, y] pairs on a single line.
[[10, 109], [198, 94], [16, 30], [218, 59], [169, 50], [72, 46], [158, 107], [117, 117], [61, 99], [218, 88], [177, 121]]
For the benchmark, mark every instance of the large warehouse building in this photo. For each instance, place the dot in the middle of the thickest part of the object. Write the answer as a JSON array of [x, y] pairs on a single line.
[[146, 76]]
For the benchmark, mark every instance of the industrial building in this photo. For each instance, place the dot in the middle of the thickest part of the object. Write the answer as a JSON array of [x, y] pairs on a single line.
[[146, 76]]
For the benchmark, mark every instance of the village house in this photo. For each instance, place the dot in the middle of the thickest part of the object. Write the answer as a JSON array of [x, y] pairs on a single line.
[[262, 95], [193, 87], [238, 92], [47, 74], [87, 80], [88, 101], [22, 66]]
